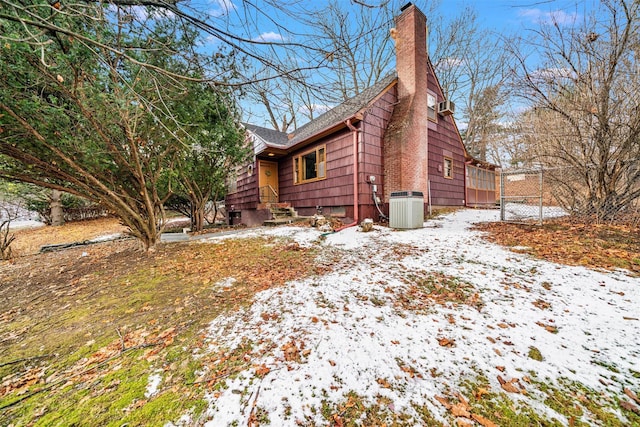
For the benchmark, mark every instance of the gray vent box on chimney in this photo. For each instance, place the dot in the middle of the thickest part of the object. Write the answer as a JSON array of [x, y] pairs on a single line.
[[406, 209]]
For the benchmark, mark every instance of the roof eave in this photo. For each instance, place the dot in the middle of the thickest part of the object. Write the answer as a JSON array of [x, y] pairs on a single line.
[[272, 151], [327, 131]]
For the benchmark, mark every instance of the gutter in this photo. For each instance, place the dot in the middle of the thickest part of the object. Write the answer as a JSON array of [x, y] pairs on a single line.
[[355, 176]]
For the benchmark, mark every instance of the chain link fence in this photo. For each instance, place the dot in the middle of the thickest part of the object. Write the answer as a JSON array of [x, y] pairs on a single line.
[[521, 196], [599, 195]]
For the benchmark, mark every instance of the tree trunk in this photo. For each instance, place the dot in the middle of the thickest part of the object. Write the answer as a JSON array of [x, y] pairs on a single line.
[[197, 216], [57, 214]]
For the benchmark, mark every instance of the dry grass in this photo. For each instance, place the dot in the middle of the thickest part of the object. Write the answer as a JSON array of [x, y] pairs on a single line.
[[29, 241], [571, 243], [82, 329]]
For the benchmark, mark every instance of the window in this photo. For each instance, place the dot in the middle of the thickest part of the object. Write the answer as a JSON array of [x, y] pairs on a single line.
[[431, 107], [232, 182], [309, 166], [481, 179], [448, 167]]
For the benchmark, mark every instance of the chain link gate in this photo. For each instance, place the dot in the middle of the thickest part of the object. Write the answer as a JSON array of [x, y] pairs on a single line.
[[521, 196]]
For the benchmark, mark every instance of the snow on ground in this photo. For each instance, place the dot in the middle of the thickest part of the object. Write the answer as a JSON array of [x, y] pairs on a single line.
[[358, 329], [522, 212], [304, 236], [26, 223]]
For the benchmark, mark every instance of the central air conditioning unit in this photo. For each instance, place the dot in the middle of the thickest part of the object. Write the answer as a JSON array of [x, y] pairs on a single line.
[[406, 209], [446, 108]]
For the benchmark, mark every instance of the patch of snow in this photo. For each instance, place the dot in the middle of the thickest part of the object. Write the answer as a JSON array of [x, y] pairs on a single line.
[[304, 236], [521, 211], [185, 420], [106, 238], [225, 283], [359, 337], [152, 385], [26, 223], [177, 220]]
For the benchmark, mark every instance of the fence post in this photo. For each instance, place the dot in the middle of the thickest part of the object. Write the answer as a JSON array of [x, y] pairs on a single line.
[[502, 216], [541, 193]]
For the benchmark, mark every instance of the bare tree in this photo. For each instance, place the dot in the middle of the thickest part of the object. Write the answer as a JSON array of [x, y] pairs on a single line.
[[585, 115], [10, 210], [471, 65]]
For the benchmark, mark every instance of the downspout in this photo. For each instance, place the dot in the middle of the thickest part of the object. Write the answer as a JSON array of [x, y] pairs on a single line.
[[353, 129]]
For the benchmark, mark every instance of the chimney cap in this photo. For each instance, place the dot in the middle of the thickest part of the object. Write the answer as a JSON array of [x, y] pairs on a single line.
[[406, 6]]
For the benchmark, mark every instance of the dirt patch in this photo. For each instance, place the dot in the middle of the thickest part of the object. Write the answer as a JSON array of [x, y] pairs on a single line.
[[562, 241]]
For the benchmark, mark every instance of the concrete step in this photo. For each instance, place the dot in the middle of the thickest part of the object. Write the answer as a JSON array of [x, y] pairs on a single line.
[[288, 220], [281, 212]]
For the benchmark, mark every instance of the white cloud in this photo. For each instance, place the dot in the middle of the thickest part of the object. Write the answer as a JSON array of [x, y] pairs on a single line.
[[269, 36], [448, 63], [321, 108], [553, 16], [552, 74], [220, 7]]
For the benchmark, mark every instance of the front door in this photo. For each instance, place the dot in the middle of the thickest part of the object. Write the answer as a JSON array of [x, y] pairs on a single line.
[[268, 181]]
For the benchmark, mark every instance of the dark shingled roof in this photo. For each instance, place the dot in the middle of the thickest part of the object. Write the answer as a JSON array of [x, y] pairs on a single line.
[[270, 136], [342, 112], [339, 114]]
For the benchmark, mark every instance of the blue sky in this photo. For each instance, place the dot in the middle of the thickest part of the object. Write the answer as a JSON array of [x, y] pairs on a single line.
[[267, 24], [513, 15], [499, 15]]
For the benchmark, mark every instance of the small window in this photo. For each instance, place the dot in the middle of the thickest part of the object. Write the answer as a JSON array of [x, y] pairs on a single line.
[[310, 166], [448, 167], [431, 107], [232, 182]]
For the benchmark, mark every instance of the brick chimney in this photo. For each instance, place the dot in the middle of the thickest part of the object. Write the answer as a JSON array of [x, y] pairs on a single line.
[[405, 145]]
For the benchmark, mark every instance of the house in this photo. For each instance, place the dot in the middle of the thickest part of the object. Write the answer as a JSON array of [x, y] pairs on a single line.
[[398, 135]]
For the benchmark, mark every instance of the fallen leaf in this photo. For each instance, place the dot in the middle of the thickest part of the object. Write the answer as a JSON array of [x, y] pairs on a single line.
[[460, 410], [481, 391], [383, 383], [408, 370], [291, 351], [549, 328], [446, 342], [483, 421], [631, 394], [462, 400], [500, 368], [443, 401], [629, 406], [541, 304], [262, 370], [508, 385]]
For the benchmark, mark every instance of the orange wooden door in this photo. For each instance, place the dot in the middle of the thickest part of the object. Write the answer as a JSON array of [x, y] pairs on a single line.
[[268, 181]]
